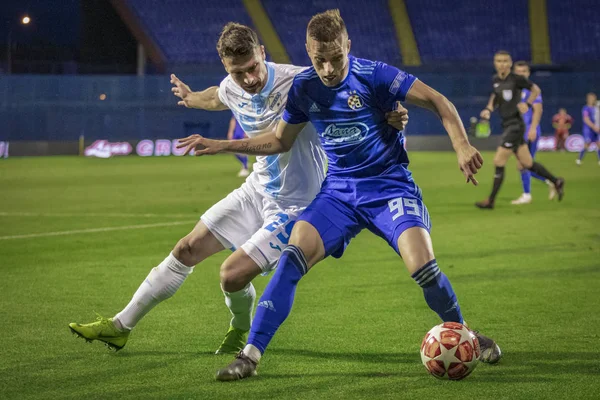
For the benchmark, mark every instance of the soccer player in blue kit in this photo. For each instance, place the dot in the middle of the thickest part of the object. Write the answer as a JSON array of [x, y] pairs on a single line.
[[368, 184], [591, 128], [532, 133]]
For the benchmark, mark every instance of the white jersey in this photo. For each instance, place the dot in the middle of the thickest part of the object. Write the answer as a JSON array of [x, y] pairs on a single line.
[[295, 176]]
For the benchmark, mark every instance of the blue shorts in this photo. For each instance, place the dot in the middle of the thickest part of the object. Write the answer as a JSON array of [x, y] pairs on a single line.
[[384, 205], [533, 148], [590, 136]]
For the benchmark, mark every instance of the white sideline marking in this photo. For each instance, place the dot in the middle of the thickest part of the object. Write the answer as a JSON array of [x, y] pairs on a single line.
[[93, 230], [93, 215]]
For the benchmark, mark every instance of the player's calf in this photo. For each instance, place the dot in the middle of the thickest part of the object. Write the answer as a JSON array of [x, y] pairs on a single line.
[[438, 292], [237, 272]]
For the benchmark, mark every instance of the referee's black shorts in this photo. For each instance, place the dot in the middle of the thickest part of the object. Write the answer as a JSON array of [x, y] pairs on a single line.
[[513, 137]]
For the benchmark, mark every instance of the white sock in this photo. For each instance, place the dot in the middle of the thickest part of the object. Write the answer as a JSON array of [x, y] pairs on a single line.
[[160, 284], [252, 353], [241, 305]]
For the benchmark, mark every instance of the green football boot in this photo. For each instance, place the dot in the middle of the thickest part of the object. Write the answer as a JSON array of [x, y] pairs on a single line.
[[234, 342], [103, 330]]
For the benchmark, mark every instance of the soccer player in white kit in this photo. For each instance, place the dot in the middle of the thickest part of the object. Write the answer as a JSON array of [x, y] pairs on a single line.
[[255, 220]]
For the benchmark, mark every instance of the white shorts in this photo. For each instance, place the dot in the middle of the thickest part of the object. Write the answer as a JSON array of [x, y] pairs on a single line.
[[251, 221]]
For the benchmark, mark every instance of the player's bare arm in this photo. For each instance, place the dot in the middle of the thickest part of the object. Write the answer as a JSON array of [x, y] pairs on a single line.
[[469, 159], [588, 122], [279, 141], [538, 109], [207, 99], [486, 113]]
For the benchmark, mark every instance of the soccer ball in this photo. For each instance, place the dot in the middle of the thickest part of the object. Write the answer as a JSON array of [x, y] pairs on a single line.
[[450, 351]]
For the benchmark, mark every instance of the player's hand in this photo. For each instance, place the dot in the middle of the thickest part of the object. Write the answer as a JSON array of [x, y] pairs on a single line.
[[523, 107], [180, 90], [485, 114], [398, 118], [532, 135], [200, 145], [469, 162]]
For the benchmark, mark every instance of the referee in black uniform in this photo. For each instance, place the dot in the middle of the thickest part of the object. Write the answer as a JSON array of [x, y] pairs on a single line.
[[506, 96]]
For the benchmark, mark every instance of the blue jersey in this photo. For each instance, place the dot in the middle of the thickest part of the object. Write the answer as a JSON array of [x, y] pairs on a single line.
[[528, 116], [350, 118], [590, 112]]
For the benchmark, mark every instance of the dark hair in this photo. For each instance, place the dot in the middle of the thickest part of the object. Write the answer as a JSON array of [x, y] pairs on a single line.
[[237, 40], [502, 53], [521, 64], [326, 26]]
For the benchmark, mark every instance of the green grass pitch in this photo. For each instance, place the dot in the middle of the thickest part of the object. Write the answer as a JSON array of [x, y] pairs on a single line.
[[527, 276]]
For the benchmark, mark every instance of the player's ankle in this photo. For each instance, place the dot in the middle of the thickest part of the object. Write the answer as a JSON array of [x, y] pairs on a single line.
[[119, 326], [252, 352]]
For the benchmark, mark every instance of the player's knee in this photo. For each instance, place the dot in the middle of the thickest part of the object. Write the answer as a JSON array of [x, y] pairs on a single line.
[[306, 237], [499, 161], [232, 279], [527, 164]]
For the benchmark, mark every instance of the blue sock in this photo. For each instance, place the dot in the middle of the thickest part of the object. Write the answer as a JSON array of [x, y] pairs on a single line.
[[526, 180], [536, 176], [243, 159], [276, 302], [581, 154], [438, 292], [598, 154]]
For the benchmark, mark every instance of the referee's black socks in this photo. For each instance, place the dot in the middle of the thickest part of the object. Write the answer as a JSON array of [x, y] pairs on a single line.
[[498, 178], [542, 171]]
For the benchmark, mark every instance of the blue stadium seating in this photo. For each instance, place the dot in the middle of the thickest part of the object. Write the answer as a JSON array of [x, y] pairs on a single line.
[[369, 24], [187, 30], [574, 30], [469, 31]]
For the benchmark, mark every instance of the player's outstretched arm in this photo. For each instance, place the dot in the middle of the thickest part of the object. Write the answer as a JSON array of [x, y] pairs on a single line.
[[207, 99], [266, 144], [469, 159]]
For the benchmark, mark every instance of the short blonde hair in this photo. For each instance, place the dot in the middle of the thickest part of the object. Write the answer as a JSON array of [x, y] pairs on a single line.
[[326, 26]]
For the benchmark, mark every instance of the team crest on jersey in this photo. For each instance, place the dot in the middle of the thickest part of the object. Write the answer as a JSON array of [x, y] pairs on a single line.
[[354, 102], [274, 101], [507, 95]]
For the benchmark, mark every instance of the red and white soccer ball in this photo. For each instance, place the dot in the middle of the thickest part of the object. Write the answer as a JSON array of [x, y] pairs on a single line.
[[450, 351]]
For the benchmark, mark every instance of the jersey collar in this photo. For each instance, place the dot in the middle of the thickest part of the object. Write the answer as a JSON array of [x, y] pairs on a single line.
[[270, 81]]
